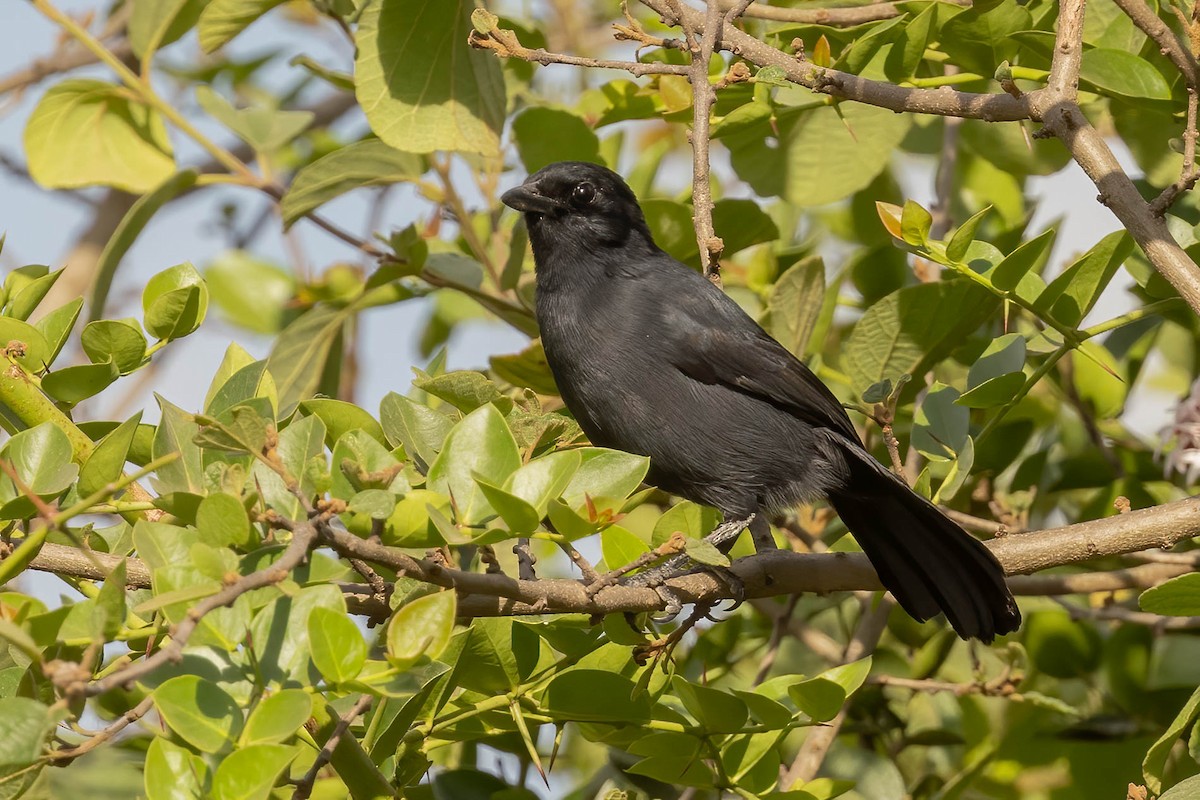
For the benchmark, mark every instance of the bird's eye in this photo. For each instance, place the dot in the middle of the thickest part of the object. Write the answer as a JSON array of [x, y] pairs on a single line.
[[583, 194]]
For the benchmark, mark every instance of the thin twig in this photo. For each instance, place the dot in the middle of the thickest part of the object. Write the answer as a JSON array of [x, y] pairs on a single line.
[[68, 754], [1000, 687], [305, 786], [1188, 174], [703, 97], [504, 43], [525, 560], [579, 560]]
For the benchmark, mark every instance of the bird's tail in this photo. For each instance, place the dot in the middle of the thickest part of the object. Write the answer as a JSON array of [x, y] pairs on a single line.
[[928, 562]]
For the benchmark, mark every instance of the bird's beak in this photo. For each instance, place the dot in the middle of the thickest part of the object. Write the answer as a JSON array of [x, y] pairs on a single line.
[[526, 198]]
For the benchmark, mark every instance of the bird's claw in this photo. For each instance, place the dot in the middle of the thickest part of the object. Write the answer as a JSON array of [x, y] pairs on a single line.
[[673, 605], [735, 585]]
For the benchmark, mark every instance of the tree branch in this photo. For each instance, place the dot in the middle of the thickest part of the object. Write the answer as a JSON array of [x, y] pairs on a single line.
[[765, 574]]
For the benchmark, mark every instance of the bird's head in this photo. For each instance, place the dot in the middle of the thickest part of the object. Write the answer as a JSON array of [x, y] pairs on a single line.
[[574, 204]]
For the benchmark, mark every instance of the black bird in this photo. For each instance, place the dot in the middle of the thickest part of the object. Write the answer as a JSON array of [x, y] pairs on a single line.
[[653, 359]]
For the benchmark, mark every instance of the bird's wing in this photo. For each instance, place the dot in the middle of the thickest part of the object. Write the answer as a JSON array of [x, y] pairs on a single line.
[[717, 343]]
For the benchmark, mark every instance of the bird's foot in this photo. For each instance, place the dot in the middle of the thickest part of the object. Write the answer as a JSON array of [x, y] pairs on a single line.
[[735, 585], [657, 578]]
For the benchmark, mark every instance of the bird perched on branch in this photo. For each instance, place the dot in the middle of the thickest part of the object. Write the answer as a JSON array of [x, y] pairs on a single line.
[[653, 359]]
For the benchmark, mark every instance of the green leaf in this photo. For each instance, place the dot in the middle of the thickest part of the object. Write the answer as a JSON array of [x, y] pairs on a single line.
[[466, 390], [109, 614], [704, 552], [421, 84], [157, 23], [277, 718], [86, 133], [279, 633], [993, 392], [222, 20], [173, 772], [979, 39], [175, 302], [263, 128], [222, 521], [692, 520], [1009, 272], [243, 429], [744, 118], [250, 772], [520, 516], [1124, 74], [674, 770], [360, 462], [715, 710], [33, 352], [855, 145], [480, 444], [773, 714], [1156, 757], [742, 223], [822, 697], [374, 503], [161, 545], [41, 457], [1178, 597], [573, 139], [300, 444], [235, 359], [940, 426], [544, 479], [338, 648], [56, 326], [1071, 295], [915, 223], [956, 248], [997, 375], [913, 328], [795, 303], [498, 656], [298, 357], [422, 627], [119, 341], [254, 294], [620, 547], [366, 163], [176, 433], [199, 711], [1188, 789], [596, 695], [25, 301], [605, 473], [74, 384], [24, 726], [131, 226], [245, 384]]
